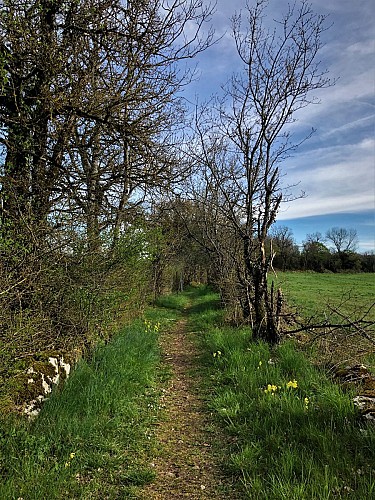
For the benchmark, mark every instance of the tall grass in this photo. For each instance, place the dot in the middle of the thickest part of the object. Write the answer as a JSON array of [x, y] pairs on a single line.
[[294, 434], [90, 439]]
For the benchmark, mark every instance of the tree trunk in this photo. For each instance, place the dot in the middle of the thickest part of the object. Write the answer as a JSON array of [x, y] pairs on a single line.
[[258, 301]]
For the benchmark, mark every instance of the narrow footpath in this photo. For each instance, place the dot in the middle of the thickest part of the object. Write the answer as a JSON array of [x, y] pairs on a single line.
[[187, 466]]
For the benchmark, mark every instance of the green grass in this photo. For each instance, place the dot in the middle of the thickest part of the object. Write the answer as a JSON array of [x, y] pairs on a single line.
[[311, 292], [91, 437], [291, 433], [295, 443], [316, 297], [175, 302]]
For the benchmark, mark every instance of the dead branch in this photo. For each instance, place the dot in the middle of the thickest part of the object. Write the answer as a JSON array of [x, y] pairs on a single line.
[[361, 325]]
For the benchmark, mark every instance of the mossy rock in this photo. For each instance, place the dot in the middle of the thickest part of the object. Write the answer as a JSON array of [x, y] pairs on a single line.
[[21, 390], [26, 385], [359, 378], [44, 367]]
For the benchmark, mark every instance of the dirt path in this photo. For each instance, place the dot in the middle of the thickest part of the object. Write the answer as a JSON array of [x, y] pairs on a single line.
[[186, 467]]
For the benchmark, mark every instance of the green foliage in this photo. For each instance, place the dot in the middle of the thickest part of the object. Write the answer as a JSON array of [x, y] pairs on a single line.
[[69, 301], [315, 256]]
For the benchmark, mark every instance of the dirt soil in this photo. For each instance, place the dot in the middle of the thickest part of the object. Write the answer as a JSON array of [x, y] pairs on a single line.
[[187, 466]]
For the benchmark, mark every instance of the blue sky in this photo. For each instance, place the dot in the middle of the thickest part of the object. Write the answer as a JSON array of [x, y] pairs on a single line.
[[336, 167]]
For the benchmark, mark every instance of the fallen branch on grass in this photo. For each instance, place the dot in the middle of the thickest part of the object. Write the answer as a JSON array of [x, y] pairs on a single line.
[[361, 325]]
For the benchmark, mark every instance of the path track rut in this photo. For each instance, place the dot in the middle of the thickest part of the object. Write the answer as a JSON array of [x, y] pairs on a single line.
[[187, 466]]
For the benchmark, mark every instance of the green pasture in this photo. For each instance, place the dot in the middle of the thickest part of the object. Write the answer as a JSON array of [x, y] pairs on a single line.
[[314, 293]]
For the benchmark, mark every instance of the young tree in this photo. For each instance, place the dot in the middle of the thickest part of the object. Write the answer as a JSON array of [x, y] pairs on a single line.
[[280, 71]]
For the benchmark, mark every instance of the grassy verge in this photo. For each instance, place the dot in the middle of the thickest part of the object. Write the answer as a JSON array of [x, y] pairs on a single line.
[[91, 438], [294, 434]]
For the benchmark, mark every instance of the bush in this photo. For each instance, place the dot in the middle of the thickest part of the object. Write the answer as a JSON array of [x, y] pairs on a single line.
[[65, 301]]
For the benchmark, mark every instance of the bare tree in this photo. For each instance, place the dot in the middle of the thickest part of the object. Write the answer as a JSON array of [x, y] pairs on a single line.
[[76, 75], [316, 237], [344, 240], [280, 71]]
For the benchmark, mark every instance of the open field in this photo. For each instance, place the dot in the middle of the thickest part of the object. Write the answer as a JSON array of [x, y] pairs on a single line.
[[315, 296], [311, 292]]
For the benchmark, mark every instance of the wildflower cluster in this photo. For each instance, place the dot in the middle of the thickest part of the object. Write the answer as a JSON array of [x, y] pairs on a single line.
[[71, 456], [272, 389], [292, 384], [151, 327], [217, 354]]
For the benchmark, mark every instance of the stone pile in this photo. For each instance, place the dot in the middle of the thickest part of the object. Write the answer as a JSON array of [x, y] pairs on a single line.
[[362, 380]]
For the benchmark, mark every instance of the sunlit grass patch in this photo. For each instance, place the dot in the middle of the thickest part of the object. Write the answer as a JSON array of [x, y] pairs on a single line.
[[173, 301], [311, 292]]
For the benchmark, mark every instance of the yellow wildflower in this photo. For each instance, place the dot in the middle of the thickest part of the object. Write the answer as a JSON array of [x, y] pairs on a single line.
[[156, 327], [292, 383], [271, 388]]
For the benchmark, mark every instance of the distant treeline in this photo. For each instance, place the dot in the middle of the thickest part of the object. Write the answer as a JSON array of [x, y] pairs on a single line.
[[333, 252]]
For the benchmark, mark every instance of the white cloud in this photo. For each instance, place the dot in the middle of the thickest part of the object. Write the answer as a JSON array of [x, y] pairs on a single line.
[[351, 125], [336, 166], [319, 204], [336, 179], [361, 48]]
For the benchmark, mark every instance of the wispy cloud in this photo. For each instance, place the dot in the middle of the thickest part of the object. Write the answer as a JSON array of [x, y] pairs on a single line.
[[350, 126], [336, 166], [335, 178]]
